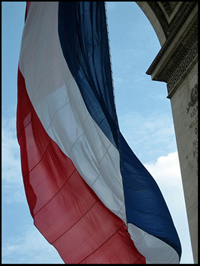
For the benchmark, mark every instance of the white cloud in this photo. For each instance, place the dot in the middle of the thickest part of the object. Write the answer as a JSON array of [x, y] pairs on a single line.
[[166, 172], [31, 248]]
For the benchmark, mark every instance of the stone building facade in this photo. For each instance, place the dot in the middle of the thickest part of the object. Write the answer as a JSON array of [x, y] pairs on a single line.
[[176, 26]]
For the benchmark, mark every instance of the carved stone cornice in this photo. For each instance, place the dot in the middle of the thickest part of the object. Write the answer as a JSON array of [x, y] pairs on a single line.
[[173, 34], [179, 52]]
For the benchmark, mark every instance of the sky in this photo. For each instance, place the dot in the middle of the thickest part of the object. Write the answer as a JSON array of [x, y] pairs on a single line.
[[145, 120]]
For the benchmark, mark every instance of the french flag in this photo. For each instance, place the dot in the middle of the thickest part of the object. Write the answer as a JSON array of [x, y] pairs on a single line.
[[88, 193]]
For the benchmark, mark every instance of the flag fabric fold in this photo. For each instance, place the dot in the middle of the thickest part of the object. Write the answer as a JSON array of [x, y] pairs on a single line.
[[88, 193]]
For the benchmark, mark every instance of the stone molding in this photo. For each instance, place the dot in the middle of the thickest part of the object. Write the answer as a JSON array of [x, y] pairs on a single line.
[[172, 29], [178, 54]]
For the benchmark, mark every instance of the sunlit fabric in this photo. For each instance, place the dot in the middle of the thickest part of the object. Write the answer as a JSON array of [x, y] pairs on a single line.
[[88, 194]]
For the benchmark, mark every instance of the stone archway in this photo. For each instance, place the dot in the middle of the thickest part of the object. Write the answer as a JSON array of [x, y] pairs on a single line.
[[176, 26]]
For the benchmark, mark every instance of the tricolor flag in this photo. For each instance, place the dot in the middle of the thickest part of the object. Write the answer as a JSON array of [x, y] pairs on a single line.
[[88, 194]]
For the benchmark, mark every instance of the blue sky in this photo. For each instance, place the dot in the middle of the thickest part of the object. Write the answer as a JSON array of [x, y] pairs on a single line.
[[145, 119]]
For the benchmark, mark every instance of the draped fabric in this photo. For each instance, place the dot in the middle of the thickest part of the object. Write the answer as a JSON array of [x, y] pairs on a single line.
[[88, 193]]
